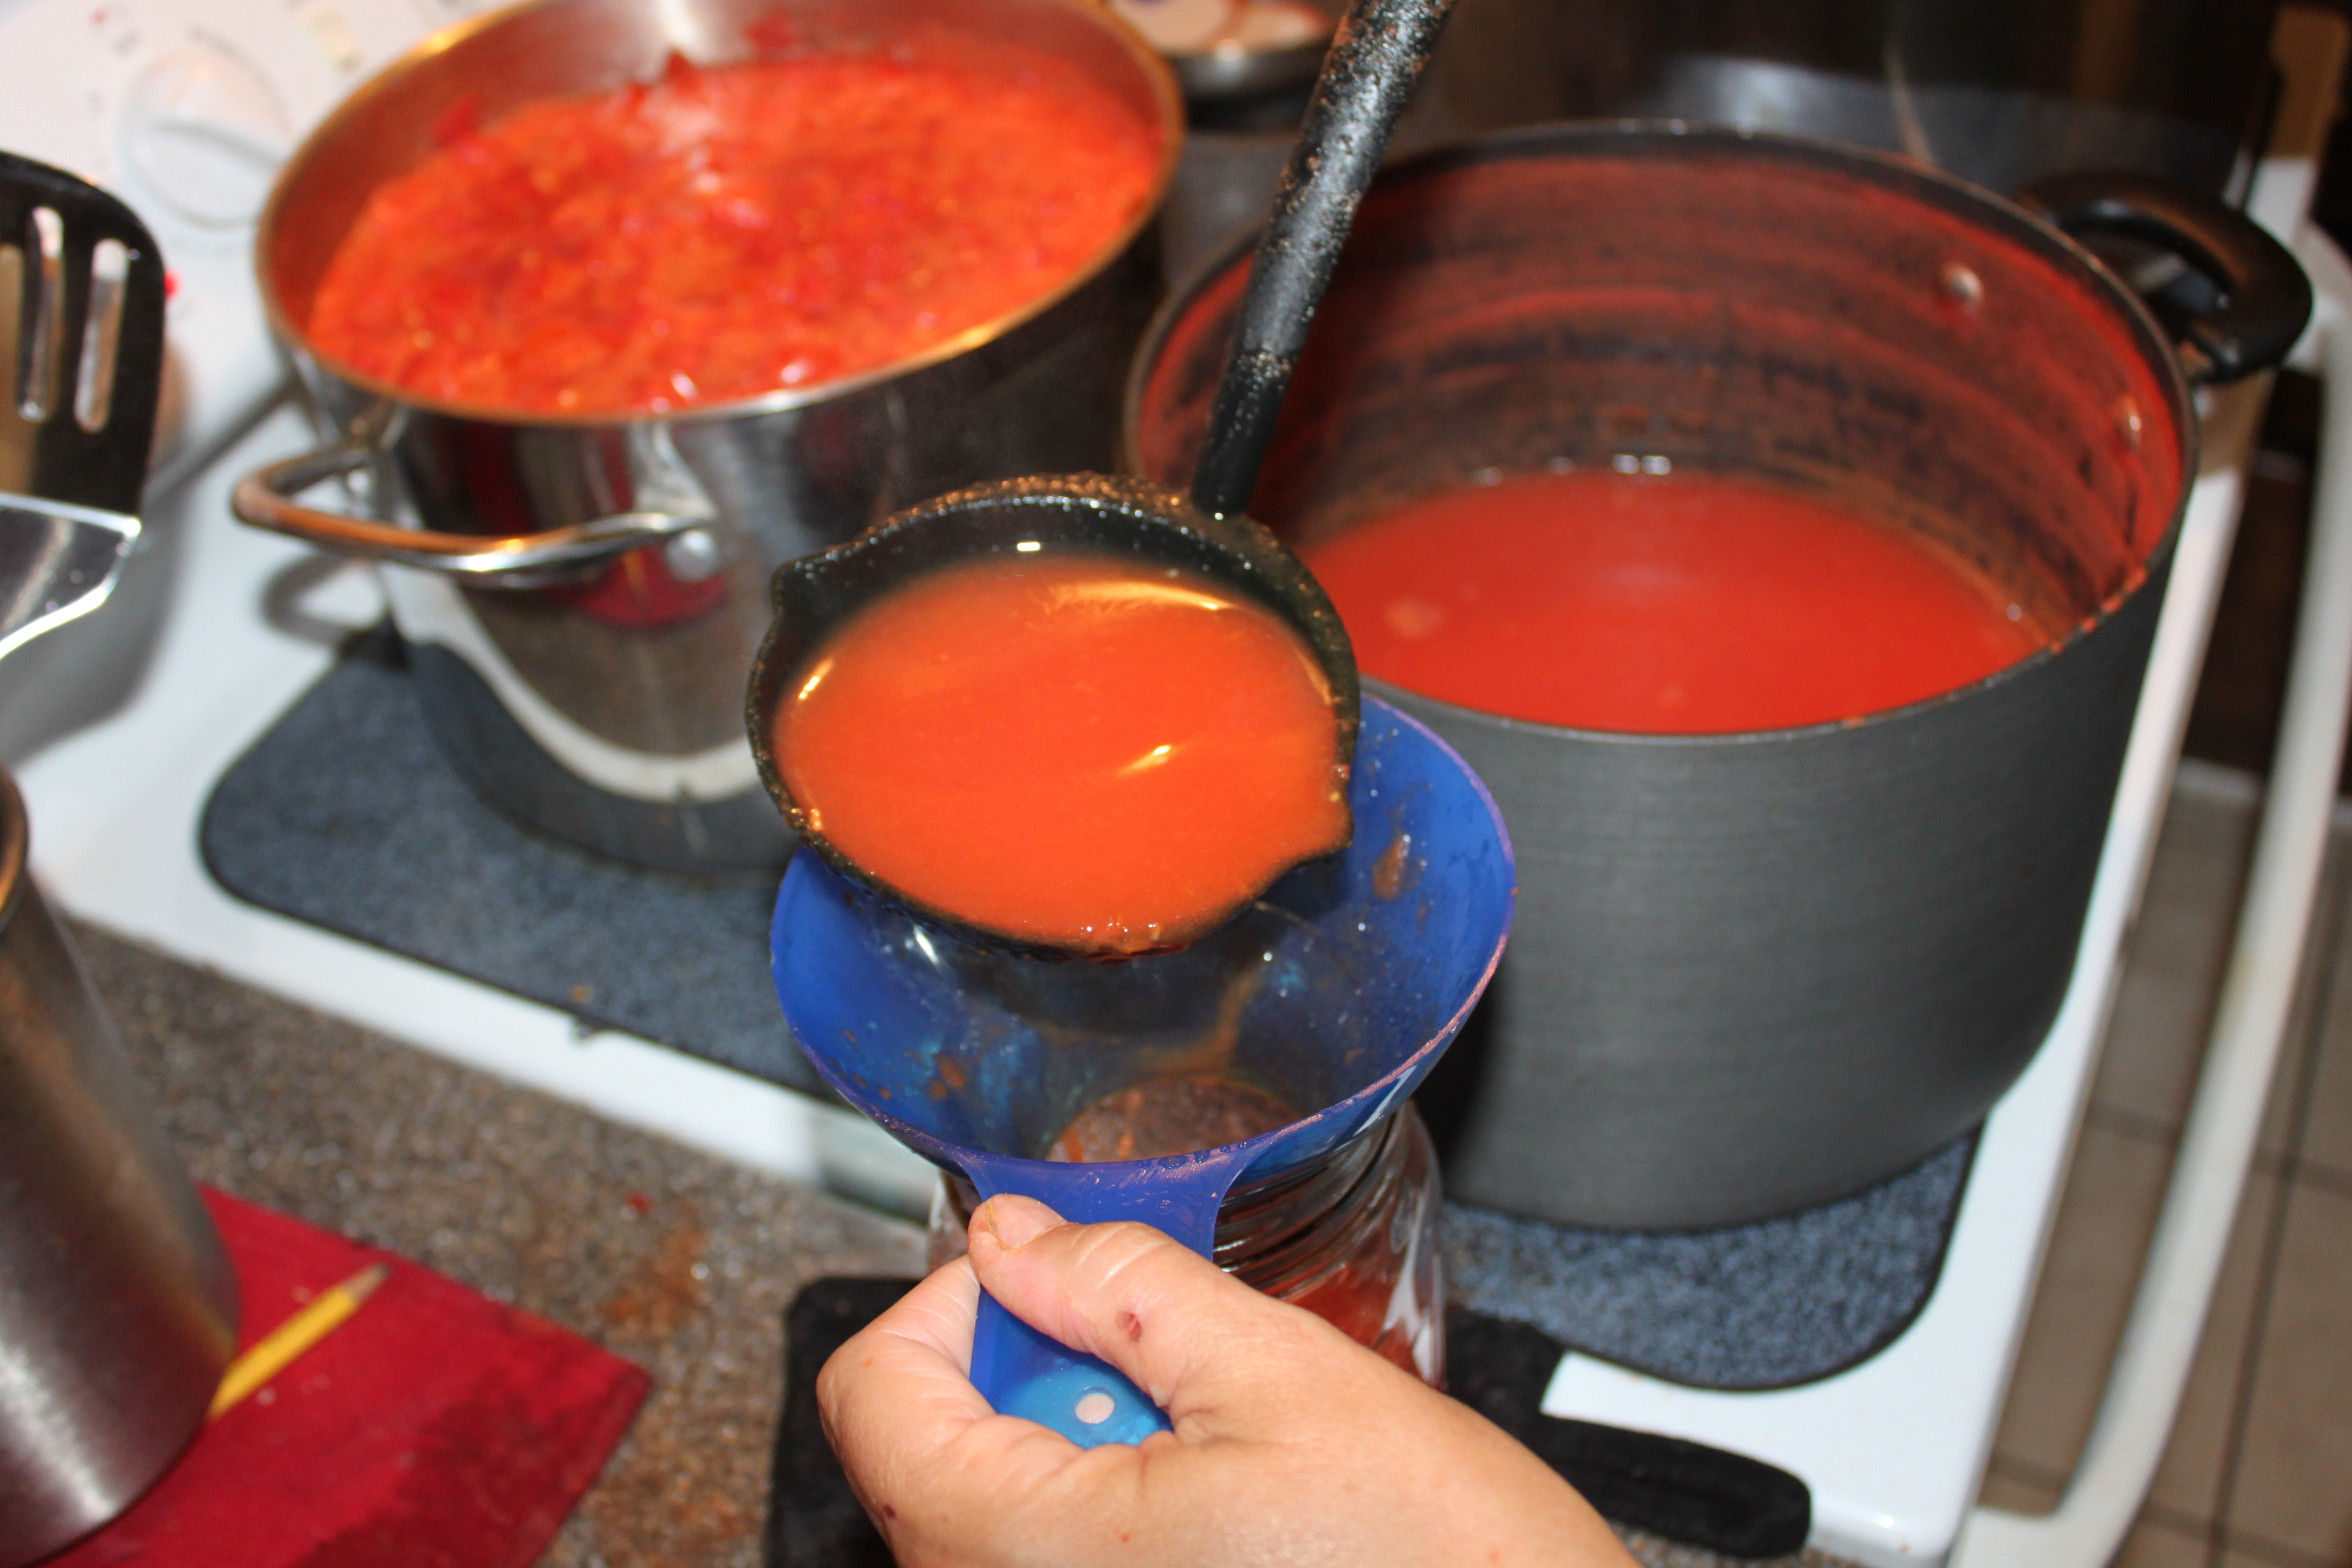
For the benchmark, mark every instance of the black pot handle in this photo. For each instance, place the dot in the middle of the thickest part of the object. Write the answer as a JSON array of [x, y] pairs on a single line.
[[1684, 1491], [2264, 300]]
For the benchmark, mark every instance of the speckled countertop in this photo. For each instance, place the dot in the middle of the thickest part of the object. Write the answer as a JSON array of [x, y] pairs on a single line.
[[679, 1261]]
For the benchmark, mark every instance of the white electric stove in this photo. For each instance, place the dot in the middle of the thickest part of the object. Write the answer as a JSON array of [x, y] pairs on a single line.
[[185, 107]]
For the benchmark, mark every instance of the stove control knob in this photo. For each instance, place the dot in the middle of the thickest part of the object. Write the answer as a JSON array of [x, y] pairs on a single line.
[[204, 135]]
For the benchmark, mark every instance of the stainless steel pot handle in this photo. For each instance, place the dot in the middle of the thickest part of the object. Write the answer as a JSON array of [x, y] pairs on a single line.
[[265, 499]]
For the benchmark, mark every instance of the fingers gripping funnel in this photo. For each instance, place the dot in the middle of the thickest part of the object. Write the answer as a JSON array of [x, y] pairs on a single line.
[[1335, 993]]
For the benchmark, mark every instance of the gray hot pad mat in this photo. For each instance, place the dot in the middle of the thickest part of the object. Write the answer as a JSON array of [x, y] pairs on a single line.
[[1764, 1305], [345, 815]]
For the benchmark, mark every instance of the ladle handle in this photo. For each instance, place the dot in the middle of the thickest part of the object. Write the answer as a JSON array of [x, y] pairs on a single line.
[[1376, 56], [1022, 1372]]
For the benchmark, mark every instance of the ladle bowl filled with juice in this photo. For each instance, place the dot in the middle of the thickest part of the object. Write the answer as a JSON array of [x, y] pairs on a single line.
[[1068, 714], [1779, 530]]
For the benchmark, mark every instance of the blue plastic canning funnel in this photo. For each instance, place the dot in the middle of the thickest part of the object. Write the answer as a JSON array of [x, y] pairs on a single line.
[[1338, 989]]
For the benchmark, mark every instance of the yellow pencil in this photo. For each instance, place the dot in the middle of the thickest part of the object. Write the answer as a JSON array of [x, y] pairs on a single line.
[[297, 1334]]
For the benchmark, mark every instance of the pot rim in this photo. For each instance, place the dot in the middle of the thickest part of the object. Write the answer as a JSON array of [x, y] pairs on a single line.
[[1669, 137], [1166, 97]]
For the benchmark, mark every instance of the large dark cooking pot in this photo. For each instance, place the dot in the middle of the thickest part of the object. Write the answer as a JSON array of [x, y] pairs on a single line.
[[2001, 92], [1752, 972], [581, 597]]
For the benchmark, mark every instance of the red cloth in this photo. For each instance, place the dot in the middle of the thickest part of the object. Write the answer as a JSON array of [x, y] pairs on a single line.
[[433, 1429]]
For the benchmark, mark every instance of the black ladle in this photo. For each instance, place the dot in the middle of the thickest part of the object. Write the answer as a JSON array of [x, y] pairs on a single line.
[[1375, 58]]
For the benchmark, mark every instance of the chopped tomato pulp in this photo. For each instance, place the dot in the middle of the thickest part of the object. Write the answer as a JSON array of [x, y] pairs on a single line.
[[728, 232], [1094, 753]]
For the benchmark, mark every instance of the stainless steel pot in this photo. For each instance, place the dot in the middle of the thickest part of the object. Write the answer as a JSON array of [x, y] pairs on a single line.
[[581, 597], [1754, 972], [118, 1309]]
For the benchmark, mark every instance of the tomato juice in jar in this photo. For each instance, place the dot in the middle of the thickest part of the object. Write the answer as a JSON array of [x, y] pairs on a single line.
[[1353, 1239]]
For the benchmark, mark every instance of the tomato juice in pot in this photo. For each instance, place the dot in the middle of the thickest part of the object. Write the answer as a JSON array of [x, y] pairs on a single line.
[[1657, 603], [1655, 500]]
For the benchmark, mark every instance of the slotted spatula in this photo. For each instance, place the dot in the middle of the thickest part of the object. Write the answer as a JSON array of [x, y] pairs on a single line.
[[81, 368]]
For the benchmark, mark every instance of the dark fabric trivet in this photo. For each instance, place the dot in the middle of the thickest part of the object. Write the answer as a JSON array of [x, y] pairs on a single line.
[[814, 1519], [346, 815], [1765, 1305], [1683, 1491]]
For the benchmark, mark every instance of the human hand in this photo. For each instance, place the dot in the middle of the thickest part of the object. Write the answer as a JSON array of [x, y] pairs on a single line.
[[1292, 1444]]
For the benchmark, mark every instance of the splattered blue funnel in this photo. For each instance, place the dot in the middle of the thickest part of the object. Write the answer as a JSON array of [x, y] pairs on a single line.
[[1335, 994]]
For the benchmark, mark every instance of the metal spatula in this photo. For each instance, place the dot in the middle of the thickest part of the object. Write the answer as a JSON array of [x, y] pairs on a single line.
[[81, 368]]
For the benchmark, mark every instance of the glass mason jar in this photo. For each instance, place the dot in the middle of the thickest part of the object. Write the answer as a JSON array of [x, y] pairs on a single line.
[[1352, 1238]]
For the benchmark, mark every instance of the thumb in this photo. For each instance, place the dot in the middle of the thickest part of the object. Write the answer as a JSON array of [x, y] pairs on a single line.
[[1203, 1346]]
